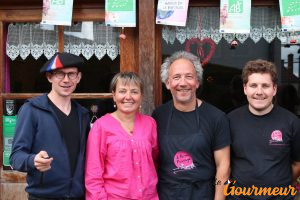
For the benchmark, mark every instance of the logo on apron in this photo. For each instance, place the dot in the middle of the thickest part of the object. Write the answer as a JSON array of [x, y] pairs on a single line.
[[183, 161]]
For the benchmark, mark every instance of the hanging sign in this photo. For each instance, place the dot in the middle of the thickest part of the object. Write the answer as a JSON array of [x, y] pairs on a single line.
[[235, 16], [9, 124], [120, 13], [290, 15], [87, 31], [172, 12], [10, 107], [57, 12]]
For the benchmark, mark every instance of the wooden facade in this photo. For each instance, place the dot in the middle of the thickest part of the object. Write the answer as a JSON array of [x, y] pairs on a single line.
[[139, 52]]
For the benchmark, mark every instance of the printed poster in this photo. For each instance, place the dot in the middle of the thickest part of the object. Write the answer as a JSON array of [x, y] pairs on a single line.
[[290, 15], [120, 13], [172, 12], [87, 31], [9, 125], [57, 12], [235, 16]]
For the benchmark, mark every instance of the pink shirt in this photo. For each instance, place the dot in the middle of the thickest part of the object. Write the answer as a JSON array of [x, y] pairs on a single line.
[[120, 166]]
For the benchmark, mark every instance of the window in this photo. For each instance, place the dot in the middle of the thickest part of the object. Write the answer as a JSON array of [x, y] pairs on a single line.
[[29, 46], [20, 67], [223, 62]]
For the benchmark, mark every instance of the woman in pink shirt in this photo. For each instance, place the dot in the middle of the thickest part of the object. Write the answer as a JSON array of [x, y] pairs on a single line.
[[122, 147]]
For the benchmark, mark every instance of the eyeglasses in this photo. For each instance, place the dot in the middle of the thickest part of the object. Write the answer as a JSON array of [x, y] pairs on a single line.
[[61, 75]]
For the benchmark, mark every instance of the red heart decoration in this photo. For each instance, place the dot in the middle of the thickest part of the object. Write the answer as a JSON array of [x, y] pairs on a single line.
[[200, 52]]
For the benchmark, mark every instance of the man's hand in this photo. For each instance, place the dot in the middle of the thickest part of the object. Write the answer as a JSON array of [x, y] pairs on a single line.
[[42, 161]]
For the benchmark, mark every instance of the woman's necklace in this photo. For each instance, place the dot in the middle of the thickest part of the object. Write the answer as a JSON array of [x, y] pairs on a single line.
[[128, 126]]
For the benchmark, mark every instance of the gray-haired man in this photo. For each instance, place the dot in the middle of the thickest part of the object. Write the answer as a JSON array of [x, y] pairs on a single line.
[[193, 136]]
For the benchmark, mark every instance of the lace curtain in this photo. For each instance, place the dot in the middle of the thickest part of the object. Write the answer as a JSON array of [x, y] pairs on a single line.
[[204, 22], [29, 38]]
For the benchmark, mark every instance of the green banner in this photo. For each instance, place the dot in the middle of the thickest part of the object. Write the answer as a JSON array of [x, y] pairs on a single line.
[[120, 5], [9, 125], [57, 2], [235, 6], [7, 143], [290, 7], [6, 155]]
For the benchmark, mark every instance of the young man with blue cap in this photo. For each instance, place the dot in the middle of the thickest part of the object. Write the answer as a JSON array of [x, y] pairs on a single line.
[[50, 135]]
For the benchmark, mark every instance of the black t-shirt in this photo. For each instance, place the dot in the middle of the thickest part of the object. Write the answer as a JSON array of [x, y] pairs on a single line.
[[70, 130], [263, 148], [187, 146]]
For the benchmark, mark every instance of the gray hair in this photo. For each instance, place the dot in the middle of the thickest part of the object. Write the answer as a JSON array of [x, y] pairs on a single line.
[[164, 71]]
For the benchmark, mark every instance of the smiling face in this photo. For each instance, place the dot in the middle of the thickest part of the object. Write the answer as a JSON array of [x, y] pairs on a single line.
[[64, 87], [260, 91], [127, 96], [183, 83]]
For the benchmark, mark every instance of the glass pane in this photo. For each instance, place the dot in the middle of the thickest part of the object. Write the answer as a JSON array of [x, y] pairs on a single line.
[[25, 76], [96, 75], [103, 106], [92, 38], [29, 46], [289, 90], [222, 84]]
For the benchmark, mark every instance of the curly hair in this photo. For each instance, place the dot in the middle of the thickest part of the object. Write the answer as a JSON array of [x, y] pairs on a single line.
[[259, 66], [164, 71]]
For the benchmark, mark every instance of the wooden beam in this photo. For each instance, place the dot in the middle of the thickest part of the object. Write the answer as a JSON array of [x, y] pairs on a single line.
[[35, 15], [128, 56], [2, 56], [158, 62], [92, 14], [13, 176], [29, 4], [20, 15], [13, 191], [216, 3], [2, 64], [146, 52], [74, 95], [265, 3], [61, 39]]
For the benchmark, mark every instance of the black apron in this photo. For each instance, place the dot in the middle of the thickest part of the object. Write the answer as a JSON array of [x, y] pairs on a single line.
[[179, 177]]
